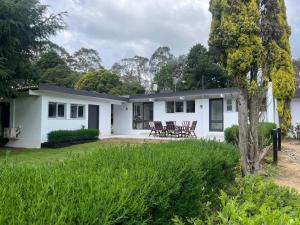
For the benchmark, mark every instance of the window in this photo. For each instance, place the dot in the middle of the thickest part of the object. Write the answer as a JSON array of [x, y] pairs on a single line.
[[178, 106], [56, 110], [142, 115], [216, 114], [190, 106], [77, 111], [229, 106], [172, 107]]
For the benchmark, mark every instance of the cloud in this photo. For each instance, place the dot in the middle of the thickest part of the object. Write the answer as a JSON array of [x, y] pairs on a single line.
[[124, 28]]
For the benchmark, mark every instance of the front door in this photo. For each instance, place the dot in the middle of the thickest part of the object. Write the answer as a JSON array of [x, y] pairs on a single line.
[[216, 115], [93, 122]]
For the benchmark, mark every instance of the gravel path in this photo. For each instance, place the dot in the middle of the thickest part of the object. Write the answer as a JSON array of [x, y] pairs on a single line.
[[289, 165]]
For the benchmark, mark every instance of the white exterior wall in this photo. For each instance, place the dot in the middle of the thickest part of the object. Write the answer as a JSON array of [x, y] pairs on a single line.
[[295, 107], [67, 123], [25, 113], [123, 118]]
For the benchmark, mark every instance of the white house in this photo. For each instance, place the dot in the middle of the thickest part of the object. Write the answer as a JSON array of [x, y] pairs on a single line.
[[46, 108]]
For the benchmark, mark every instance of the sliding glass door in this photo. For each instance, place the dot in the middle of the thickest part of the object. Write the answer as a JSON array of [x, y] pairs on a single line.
[[216, 115], [142, 115]]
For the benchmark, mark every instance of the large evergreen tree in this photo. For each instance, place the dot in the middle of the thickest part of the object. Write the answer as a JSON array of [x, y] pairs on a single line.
[[25, 26], [251, 39]]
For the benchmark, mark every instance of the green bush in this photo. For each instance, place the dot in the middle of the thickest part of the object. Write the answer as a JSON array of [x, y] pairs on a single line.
[[232, 135], [71, 136], [264, 134], [255, 201], [119, 184]]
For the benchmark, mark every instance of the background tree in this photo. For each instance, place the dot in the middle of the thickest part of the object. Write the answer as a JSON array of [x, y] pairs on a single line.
[[201, 72], [53, 69], [277, 63], [25, 26], [102, 81], [86, 59], [170, 73], [296, 63]]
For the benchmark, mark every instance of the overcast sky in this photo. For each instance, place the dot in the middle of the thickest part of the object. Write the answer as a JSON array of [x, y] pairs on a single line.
[[125, 28]]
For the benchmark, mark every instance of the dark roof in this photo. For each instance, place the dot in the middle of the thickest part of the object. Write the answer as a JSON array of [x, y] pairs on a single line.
[[53, 88], [187, 93], [297, 95]]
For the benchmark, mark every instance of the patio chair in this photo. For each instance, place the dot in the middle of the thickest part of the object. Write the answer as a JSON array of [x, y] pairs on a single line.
[[191, 130], [159, 129], [171, 128], [152, 127], [298, 131]]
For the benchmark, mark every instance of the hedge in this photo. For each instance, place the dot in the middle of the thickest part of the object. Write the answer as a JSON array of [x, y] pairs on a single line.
[[256, 201], [120, 184], [71, 136], [264, 134]]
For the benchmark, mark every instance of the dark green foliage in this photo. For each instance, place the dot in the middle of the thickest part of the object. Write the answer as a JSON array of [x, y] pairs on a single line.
[[231, 135], [253, 200], [264, 134], [119, 184], [70, 136], [202, 72], [25, 25]]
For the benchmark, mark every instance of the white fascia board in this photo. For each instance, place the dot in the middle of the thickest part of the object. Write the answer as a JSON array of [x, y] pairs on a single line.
[[71, 96]]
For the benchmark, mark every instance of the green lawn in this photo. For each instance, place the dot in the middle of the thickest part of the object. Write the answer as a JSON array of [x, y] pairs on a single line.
[[33, 157]]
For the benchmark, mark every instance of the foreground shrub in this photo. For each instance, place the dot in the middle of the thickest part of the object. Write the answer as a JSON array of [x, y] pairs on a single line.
[[264, 134], [119, 184], [71, 136], [256, 202]]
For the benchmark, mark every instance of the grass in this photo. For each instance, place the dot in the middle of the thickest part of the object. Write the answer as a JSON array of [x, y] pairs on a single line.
[[35, 157]]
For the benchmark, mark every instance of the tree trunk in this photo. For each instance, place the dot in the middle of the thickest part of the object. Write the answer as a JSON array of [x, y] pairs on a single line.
[[243, 131], [253, 133]]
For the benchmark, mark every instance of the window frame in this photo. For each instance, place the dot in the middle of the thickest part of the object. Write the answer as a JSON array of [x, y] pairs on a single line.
[[216, 121], [231, 105], [174, 107], [143, 121], [194, 107], [56, 114], [77, 111]]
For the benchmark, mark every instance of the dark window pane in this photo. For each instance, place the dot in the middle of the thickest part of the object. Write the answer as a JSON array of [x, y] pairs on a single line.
[[61, 110], [73, 111], [52, 110], [229, 105], [137, 115], [216, 115], [190, 106], [170, 107], [179, 106], [80, 111]]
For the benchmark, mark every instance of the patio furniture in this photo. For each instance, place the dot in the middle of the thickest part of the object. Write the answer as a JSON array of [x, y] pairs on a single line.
[[159, 128], [152, 127], [171, 128], [191, 130], [298, 131]]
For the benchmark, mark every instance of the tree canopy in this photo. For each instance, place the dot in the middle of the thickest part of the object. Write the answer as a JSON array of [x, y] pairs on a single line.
[[201, 72], [25, 26], [251, 40], [86, 59]]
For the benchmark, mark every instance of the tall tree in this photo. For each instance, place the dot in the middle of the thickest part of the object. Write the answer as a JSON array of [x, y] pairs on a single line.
[[245, 34], [102, 81], [25, 26], [202, 72], [170, 75], [86, 59], [278, 64], [52, 68]]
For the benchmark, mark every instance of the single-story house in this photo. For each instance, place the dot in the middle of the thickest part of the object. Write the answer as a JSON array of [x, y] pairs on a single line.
[[38, 111]]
